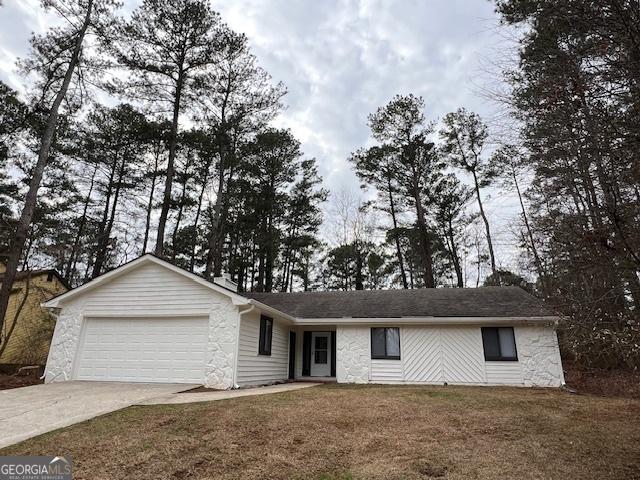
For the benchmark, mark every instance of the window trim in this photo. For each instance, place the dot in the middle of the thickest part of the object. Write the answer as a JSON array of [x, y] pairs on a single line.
[[500, 357], [264, 349], [385, 356]]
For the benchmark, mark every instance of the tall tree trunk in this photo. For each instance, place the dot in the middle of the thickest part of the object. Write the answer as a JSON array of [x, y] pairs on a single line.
[[270, 247], [260, 276], [102, 226], [27, 250], [147, 224], [222, 224], [284, 283], [212, 262], [176, 228], [525, 217], [292, 269], [359, 276], [478, 262], [168, 184], [71, 264], [22, 229], [411, 266], [103, 244], [396, 236], [288, 255], [455, 258], [212, 244], [194, 240], [429, 281], [306, 268], [486, 222]]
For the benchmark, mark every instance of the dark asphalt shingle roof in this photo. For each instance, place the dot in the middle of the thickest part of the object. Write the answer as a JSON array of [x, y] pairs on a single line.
[[426, 302]]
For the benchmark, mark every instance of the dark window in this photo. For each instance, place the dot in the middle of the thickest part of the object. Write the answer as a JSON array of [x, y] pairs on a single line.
[[266, 333], [499, 344], [385, 343], [320, 356], [321, 347]]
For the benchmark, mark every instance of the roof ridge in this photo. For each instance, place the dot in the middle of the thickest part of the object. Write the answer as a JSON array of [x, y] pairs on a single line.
[[378, 290]]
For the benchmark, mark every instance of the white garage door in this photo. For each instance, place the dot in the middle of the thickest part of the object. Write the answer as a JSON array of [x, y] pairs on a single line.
[[169, 350]]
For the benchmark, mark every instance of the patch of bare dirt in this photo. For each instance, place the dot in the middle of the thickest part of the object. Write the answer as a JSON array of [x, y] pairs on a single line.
[[604, 383], [15, 381]]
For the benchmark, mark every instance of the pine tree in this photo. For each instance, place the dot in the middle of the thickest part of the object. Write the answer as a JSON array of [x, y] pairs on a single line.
[[412, 159], [576, 90], [377, 167], [56, 57], [464, 135], [168, 48], [118, 144], [240, 100], [451, 198]]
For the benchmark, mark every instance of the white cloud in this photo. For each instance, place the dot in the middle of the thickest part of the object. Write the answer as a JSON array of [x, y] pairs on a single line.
[[340, 60]]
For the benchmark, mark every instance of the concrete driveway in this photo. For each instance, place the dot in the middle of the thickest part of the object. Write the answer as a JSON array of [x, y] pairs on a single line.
[[30, 411]]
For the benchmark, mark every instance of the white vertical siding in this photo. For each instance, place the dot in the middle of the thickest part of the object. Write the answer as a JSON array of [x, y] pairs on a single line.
[[254, 369]]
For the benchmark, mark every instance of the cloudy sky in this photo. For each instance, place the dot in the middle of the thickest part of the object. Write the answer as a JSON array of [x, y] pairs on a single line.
[[340, 60]]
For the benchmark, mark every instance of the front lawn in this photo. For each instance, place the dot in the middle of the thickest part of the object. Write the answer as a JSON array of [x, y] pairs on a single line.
[[344, 432]]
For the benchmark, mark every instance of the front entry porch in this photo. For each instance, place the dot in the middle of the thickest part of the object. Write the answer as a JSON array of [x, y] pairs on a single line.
[[316, 380], [312, 353]]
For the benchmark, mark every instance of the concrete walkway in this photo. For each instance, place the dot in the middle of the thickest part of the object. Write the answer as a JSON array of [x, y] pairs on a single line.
[[225, 394], [29, 411]]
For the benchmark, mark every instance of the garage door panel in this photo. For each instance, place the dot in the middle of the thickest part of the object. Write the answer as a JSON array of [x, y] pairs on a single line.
[[144, 350]]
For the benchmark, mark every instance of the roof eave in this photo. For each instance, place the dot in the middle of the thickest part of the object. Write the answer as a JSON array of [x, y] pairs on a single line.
[[273, 311], [55, 302], [545, 320]]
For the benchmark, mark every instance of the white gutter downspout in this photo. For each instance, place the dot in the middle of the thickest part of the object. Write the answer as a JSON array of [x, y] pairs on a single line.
[[235, 367]]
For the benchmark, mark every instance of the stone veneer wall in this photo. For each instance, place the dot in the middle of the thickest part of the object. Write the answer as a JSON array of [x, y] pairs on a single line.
[[539, 356], [221, 350], [352, 354], [64, 344], [224, 322]]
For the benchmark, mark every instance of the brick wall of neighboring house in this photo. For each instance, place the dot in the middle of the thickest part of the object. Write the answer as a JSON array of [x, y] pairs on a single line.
[[28, 342]]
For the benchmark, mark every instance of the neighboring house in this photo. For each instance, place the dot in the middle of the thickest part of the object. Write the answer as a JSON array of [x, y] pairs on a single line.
[[150, 321], [24, 340]]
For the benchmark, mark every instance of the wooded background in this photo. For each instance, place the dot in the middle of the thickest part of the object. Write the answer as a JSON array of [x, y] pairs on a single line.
[[154, 132]]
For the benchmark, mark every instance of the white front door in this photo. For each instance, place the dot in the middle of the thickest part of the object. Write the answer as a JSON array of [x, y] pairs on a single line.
[[320, 354]]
